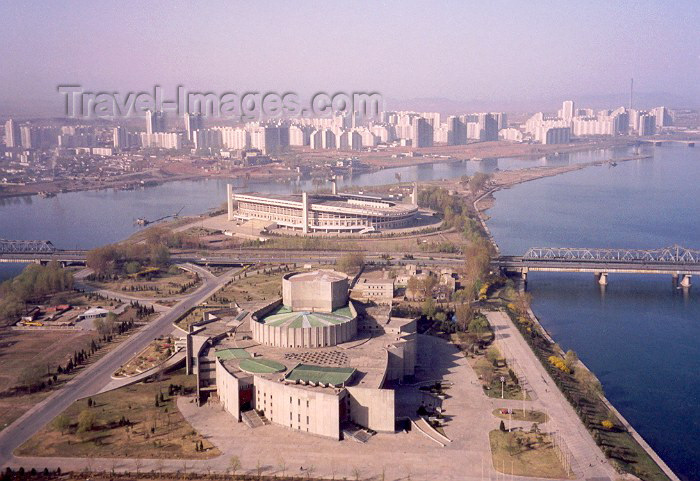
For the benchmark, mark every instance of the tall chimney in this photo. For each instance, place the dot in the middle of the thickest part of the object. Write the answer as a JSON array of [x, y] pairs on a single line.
[[229, 200], [305, 213]]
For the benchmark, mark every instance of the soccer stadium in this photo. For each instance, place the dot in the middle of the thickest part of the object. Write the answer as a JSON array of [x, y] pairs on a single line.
[[323, 213], [305, 362]]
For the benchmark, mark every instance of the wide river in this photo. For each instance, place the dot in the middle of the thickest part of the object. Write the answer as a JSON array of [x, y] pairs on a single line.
[[640, 336]]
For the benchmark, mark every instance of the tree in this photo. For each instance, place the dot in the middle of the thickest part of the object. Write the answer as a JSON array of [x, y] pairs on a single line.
[[30, 379], [478, 181], [102, 260], [427, 284], [570, 359], [160, 256], [62, 423], [464, 314], [234, 464], [412, 286], [492, 354], [351, 262], [132, 267], [86, 421], [429, 308], [522, 302], [478, 324]]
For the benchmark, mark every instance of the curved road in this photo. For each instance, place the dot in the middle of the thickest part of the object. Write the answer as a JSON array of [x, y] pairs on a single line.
[[92, 379]]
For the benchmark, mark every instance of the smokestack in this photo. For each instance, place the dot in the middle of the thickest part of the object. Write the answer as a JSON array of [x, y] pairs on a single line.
[[229, 200], [305, 213], [631, 92]]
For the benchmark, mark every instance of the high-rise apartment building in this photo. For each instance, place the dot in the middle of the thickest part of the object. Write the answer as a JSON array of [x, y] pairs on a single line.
[[567, 110], [155, 122], [422, 133], [120, 138], [12, 134], [193, 122]]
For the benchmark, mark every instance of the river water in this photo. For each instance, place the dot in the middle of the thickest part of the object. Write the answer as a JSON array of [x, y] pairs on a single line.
[[641, 336]]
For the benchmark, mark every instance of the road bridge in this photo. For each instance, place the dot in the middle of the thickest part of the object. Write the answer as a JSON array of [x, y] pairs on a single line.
[[43, 252], [679, 262], [658, 142]]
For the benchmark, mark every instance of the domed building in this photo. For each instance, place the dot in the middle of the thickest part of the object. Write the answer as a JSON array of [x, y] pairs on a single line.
[[305, 361], [314, 312]]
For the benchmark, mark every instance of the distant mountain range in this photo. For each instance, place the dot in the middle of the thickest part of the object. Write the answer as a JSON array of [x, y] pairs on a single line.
[[642, 100], [35, 108]]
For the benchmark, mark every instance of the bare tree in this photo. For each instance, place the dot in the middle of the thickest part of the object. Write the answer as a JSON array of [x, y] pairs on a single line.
[[234, 464], [356, 473], [282, 466]]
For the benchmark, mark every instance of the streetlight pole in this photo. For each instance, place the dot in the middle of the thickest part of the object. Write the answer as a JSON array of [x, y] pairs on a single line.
[[503, 380]]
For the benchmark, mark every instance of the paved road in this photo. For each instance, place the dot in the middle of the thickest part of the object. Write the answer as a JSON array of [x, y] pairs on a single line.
[[588, 460], [92, 379]]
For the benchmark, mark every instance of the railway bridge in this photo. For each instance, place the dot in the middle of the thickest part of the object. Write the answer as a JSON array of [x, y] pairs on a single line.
[[679, 262]]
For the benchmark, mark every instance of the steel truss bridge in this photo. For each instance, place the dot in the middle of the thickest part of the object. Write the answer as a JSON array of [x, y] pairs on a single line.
[[676, 260], [26, 247]]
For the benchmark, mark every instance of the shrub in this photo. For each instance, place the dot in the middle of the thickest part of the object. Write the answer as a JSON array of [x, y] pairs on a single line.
[[559, 363]]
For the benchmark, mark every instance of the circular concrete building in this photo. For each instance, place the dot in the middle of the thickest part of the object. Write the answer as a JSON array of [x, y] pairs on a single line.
[[314, 312], [322, 290]]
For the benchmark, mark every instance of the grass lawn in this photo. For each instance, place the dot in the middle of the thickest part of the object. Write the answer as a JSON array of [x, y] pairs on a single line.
[[518, 415], [155, 353], [526, 454], [152, 432], [259, 284], [490, 377], [28, 355], [163, 284]]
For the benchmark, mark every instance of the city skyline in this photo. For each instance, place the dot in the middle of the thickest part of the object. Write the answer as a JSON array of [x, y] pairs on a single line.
[[498, 57]]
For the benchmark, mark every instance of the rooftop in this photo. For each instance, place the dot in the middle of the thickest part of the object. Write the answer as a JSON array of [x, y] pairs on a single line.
[[320, 275], [321, 375], [283, 316]]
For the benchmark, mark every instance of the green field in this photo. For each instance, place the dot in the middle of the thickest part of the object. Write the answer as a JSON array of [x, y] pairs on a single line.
[[335, 376], [261, 366], [236, 353]]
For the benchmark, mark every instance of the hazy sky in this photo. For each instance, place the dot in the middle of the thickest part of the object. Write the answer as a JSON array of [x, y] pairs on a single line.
[[493, 51]]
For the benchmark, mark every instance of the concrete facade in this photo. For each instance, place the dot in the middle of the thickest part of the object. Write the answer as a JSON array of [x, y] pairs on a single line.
[[340, 213], [304, 337], [322, 290], [379, 355], [312, 411], [372, 408]]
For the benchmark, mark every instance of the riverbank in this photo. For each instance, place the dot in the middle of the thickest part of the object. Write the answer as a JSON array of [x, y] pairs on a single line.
[[627, 426], [484, 150], [314, 161], [506, 179], [485, 200]]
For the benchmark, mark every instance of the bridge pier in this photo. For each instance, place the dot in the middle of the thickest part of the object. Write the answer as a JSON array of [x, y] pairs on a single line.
[[685, 282], [523, 278], [602, 278]]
